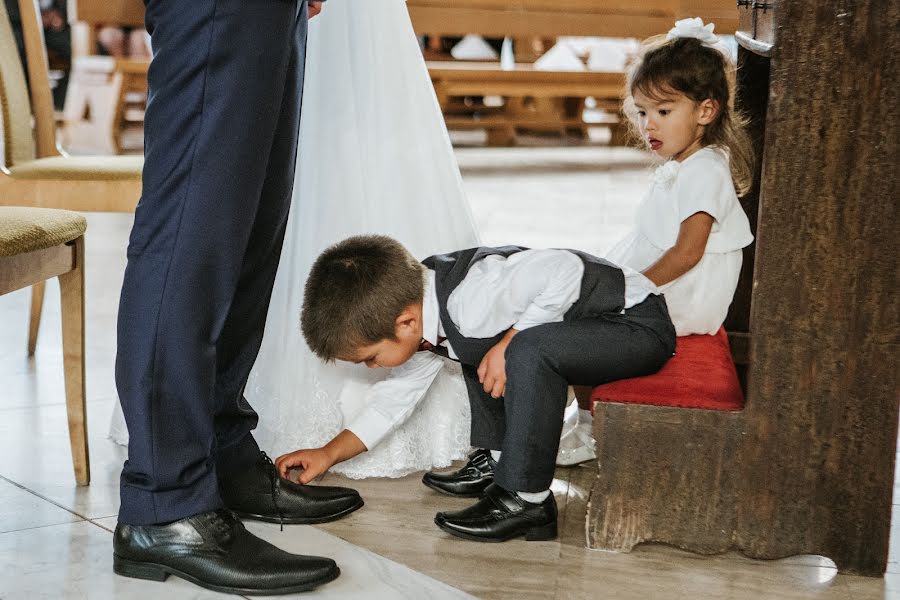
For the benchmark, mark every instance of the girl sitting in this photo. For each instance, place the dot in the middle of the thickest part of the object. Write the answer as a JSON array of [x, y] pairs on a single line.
[[690, 228]]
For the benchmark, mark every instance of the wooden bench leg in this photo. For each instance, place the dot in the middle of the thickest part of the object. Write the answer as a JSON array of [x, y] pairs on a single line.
[[666, 475], [71, 287], [37, 306]]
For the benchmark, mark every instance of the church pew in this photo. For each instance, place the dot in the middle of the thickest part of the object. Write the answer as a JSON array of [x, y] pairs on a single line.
[[807, 465], [542, 100]]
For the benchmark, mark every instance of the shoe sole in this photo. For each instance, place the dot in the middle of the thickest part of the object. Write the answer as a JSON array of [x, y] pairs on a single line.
[[453, 494], [541, 533], [301, 520], [158, 572]]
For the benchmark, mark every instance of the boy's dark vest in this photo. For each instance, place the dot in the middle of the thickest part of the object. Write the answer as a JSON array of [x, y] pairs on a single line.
[[602, 291]]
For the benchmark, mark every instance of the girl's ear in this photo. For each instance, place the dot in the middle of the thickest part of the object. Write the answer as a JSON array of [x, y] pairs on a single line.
[[708, 111]]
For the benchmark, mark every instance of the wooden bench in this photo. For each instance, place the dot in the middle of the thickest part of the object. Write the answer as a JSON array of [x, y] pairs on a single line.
[[536, 99], [569, 89], [662, 445], [538, 18], [701, 375], [807, 467]]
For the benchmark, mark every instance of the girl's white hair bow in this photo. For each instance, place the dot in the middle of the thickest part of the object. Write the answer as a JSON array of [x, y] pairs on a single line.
[[694, 28]]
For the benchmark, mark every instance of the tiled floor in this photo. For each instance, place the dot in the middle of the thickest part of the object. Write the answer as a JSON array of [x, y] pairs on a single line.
[[55, 538]]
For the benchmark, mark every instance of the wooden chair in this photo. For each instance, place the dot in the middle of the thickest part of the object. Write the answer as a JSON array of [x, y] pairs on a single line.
[[35, 245], [557, 89], [104, 111], [807, 467], [34, 171], [94, 14], [105, 104]]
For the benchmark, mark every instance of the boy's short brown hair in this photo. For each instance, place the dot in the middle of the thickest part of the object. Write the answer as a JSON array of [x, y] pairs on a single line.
[[355, 291]]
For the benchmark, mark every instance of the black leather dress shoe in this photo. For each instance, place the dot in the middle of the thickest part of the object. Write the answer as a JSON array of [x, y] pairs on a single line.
[[215, 551], [469, 481], [261, 494], [502, 515]]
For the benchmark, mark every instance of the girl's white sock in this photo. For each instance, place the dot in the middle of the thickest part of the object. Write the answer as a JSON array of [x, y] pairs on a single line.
[[585, 417], [495, 454]]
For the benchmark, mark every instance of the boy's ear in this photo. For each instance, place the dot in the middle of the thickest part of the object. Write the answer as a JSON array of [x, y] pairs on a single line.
[[406, 320], [709, 110]]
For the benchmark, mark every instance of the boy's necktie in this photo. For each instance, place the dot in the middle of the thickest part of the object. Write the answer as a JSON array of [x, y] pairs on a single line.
[[426, 346]]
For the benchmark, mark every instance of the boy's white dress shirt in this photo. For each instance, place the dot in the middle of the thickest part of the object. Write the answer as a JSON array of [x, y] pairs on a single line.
[[526, 289]]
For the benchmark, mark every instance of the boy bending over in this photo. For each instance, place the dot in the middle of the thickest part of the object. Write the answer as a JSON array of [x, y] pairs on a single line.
[[524, 324]]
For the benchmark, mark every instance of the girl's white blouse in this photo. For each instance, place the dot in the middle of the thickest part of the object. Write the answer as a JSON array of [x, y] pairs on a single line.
[[698, 300]]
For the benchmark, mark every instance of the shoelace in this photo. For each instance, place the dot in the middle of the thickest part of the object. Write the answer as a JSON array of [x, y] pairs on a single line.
[[220, 528], [273, 481]]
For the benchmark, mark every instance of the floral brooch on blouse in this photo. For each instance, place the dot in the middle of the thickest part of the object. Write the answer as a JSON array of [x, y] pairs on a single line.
[[666, 173]]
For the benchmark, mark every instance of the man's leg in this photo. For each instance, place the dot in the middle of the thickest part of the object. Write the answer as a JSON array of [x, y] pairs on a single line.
[[542, 361], [217, 87], [242, 333]]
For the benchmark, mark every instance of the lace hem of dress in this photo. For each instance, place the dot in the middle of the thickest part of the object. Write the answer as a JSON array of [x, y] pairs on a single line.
[[435, 434]]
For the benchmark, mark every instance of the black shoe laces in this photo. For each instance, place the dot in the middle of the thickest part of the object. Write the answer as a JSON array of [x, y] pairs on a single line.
[[221, 529], [273, 482]]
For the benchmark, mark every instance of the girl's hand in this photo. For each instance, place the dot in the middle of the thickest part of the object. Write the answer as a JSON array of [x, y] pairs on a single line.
[[492, 370], [314, 462], [314, 8]]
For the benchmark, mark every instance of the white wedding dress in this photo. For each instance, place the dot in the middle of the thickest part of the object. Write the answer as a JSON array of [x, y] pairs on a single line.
[[374, 157]]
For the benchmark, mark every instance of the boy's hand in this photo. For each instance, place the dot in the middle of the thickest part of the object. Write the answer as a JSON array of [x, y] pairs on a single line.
[[313, 461], [314, 9], [492, 370]]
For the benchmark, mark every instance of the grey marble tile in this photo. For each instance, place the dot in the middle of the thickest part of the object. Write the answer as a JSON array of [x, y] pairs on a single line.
[[74, 560], [364, 574], [21, 509], [35, 453]]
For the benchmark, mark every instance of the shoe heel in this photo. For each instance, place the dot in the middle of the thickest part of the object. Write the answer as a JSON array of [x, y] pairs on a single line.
[[138, 570], [542, 533]]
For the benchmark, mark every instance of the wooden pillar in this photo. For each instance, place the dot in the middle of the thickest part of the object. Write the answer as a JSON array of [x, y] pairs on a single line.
[[818, 452]]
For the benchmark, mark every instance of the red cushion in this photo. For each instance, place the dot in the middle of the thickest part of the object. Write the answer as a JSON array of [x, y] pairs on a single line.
[[700, 375]]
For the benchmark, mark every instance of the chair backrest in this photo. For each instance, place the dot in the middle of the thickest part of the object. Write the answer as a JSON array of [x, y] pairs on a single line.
[[18, 138], [38, 79], [128, 13]]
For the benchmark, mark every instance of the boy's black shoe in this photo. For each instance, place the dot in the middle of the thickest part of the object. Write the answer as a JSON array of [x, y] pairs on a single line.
[[215, 551], [260, 493], [502, 515], [469, 481]]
